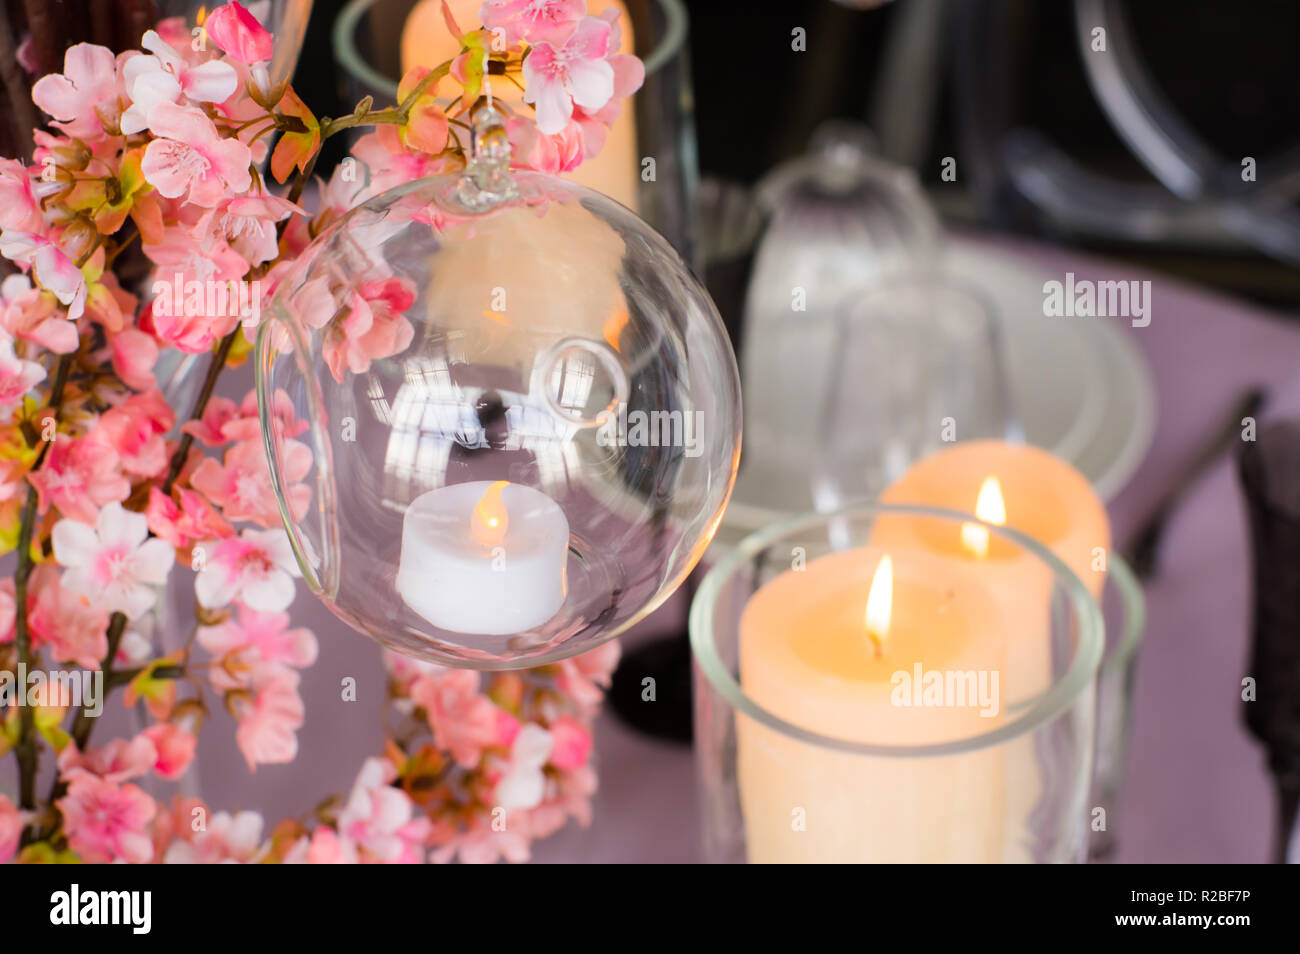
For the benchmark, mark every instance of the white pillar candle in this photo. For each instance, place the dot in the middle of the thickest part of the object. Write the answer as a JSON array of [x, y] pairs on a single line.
[[484, 557]]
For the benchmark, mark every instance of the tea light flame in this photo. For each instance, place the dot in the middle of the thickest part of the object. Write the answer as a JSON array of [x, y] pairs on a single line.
[[880, 600], [989, 507], [489, 520]]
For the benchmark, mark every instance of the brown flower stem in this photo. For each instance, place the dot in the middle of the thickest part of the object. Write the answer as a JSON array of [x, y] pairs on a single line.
[[25, 750], [83, 724], [200, 405]]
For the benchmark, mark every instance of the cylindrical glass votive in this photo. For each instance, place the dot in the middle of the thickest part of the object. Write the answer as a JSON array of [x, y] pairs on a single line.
[[829, 729], [1124, 611]]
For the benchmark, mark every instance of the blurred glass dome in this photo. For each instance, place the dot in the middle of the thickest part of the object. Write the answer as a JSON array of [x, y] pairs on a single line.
[[529, 337]]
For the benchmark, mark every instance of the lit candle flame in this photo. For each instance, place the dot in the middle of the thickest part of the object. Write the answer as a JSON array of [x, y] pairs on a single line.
[[489, 520], [614, 326], [880, 601], [990, 508]]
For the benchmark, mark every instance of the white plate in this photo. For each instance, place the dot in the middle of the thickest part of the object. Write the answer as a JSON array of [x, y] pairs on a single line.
[[1082, 389]]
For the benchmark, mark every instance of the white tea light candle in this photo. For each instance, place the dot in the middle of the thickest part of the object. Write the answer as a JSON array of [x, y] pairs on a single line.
[[484, 557]]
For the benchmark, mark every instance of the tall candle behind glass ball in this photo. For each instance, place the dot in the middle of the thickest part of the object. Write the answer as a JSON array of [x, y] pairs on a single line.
[[426, 41]]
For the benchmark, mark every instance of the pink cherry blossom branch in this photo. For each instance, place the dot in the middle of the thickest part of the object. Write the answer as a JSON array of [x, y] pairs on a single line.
[[83, 725]]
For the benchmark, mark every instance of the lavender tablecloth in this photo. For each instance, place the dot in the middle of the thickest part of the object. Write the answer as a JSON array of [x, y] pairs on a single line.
[[1196, 792]]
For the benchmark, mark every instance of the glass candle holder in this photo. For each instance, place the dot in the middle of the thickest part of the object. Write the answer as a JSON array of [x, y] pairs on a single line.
[[1124, 610], [827, 732], [532, 441]]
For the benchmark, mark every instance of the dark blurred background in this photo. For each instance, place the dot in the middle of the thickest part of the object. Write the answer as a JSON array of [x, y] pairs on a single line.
[[1004, 65]]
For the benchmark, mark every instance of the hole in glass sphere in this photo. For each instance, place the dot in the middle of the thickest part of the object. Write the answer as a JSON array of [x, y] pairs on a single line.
[[582, 381]]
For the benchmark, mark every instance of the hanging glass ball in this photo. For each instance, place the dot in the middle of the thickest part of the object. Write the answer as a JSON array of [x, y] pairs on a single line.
[[524, 418]]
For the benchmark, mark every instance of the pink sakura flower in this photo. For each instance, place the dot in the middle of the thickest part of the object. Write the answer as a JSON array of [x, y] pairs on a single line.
[[572, 744], [403, 670], [178, 314], [74, 628], [583, 137], [247, 427], [85, 91], [108, 304], [269, 715], [562, 152], [183, 257], [257, 568], [239, 110], [17, 376], [464, 721], [118, 761], [558, 76], [184, 523], [343, 190], [135, 431], [224, 421], [241, 484], [524, 782], [18, 206], [248, 225], [11, 829], [581, 677], [389, 163], [572, 798], [209, 429], [174, 747], [373, 328], [324, 847], [55, 272], [79, 476], [238, 33], [377, 818], [532, 21], [480, 844], [106, 822], [629, 74], [162, 75], [255, 640], [134, 353], [31, 314], [226, 838], [113, 565], [190, 159]]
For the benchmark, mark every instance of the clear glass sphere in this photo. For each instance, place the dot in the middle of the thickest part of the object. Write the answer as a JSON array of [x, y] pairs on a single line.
[[524, 418]]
